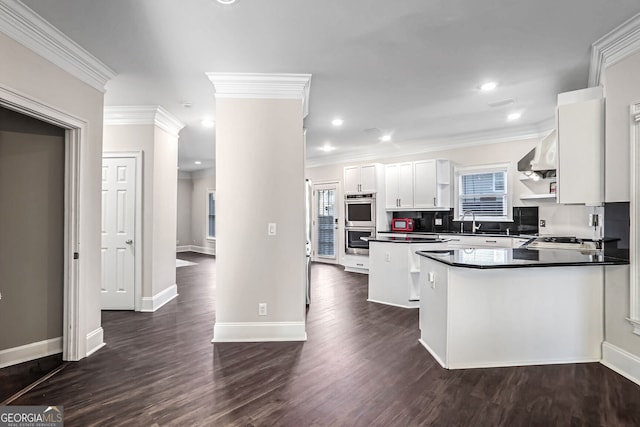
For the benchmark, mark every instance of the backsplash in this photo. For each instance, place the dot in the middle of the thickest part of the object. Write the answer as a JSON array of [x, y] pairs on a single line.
[[570, 221], [616, 229], [525, 221]]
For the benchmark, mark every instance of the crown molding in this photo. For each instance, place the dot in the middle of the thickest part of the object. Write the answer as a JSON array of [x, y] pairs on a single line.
[[29, 29], [614, 46], [263, 86], [143, 115], [411, 148]]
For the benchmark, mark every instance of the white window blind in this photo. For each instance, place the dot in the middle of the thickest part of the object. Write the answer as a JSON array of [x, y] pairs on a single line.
[[484, 192]]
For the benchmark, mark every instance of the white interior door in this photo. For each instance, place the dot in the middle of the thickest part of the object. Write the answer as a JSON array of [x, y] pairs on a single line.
[[326, 222], [118, 232]]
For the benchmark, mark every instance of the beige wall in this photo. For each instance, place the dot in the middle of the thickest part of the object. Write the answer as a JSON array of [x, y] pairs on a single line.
[[31, 75], [203, 181], [259, 179], [185, 190], [159, 198], [32, 229], [622, 88]]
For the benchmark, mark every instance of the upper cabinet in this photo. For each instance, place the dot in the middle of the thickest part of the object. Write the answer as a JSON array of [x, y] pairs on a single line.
[[580, 123], [362, 179], [423, 184], [431, 184], [399, 185]]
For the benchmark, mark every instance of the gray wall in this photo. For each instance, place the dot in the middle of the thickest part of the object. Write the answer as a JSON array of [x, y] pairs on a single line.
[[193, 188], [32, 230]]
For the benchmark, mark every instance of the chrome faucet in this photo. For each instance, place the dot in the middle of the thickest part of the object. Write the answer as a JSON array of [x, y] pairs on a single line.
[[473, 224]]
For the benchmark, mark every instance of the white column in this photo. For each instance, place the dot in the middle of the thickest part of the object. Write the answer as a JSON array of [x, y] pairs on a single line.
[[260, 181]]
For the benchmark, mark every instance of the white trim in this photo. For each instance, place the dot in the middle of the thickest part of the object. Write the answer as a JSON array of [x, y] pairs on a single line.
[[616, 45], [29, 29], [634, 231], [433, 353], [27, 352], [263, 86], [395, 305], [143, 115], [151, 304], [258, 331], [138, 156], [95, 341], [198, 249], [75, 139], [621, 361]]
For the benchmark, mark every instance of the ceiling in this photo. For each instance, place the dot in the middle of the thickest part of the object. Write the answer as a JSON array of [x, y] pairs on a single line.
[[411, 68]]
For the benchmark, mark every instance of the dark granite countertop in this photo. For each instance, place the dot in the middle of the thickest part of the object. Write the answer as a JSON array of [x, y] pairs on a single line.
[[485, 258], [454, 233], [408, 239]]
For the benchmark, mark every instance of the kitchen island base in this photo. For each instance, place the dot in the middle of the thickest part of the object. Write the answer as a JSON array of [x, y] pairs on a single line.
[[479, 318]]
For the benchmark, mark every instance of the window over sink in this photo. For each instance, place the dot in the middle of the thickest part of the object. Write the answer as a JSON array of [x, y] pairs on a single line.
[[483, 190]]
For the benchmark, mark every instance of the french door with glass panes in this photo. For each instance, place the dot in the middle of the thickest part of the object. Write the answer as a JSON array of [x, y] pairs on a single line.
[[326, 222]]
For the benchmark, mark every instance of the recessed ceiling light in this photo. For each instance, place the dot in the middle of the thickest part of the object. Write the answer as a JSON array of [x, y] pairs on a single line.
[[337, 122], [486, 87], [226, 1], [327, 147], [514, 116], [208, 123], [385, 138], [198, 162]]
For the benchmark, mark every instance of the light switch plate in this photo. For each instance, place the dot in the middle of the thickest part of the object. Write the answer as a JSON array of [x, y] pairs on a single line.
[[272, 229]]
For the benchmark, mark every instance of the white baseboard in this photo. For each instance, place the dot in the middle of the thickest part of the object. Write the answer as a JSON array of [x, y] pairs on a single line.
[[95, 341], [395, 305], [151, 304], [24, 353], [621, 361], [433, 353], [198, 249], [259, 331]]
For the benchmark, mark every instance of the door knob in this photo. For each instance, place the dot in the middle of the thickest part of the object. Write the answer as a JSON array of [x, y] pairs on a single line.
[[128, 242]]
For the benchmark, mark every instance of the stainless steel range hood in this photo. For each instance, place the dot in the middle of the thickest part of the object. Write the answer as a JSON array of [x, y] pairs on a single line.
[[542, 158]]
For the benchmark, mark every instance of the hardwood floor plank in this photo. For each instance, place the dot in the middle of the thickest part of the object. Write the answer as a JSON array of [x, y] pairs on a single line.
[[361, 366]]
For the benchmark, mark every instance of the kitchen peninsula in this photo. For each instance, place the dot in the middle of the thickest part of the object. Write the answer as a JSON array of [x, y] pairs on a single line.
[[509, 307]]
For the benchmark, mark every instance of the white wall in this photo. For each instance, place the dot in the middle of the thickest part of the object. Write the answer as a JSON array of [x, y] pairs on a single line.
[[260, 180], [27, 73]]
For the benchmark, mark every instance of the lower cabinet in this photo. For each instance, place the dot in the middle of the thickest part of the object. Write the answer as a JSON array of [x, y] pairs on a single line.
[[480, 241], [356, 263], [394, 272]]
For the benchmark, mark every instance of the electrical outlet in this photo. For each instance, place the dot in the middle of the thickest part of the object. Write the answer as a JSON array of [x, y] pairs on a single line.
[[262, 309], [431, 277], [387, 256], [543, 223], [438, 221]]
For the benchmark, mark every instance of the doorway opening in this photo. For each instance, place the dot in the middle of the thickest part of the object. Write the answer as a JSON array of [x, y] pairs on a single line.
[[325, 227]]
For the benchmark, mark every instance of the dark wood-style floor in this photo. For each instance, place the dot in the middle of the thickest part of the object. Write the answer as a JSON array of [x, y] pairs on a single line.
[[361, 366]]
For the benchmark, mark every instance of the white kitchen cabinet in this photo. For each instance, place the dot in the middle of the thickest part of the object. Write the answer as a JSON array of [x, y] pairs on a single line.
[[431, 184], [580, 123], [361, 179], [423, 184], [399, 186]]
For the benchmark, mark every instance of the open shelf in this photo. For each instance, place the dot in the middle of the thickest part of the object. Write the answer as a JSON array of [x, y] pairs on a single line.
[[538, 196]]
